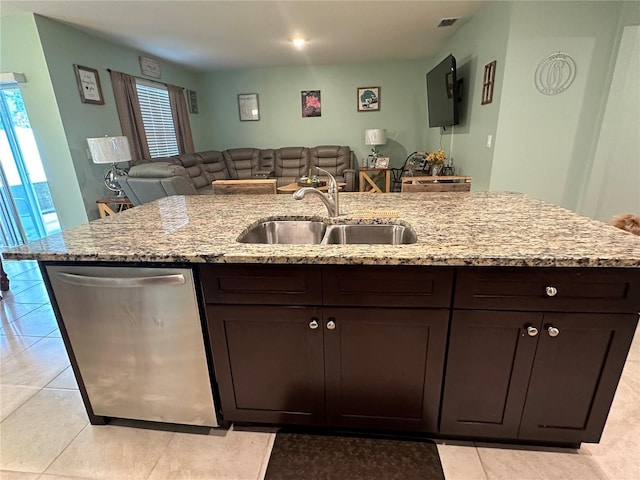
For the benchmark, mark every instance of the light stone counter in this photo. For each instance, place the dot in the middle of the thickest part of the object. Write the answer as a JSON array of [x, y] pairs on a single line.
[[480, 228]]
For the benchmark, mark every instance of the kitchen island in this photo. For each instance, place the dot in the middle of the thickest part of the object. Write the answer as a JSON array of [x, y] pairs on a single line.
[[509, 318]]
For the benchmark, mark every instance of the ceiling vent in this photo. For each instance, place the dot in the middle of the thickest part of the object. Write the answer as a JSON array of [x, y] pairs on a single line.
[[447, 22]]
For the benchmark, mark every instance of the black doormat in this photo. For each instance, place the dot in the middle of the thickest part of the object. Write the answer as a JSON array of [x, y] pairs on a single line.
[[301, 456]]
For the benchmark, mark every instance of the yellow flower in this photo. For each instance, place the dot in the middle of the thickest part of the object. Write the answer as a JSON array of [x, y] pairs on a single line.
[[436, 157]]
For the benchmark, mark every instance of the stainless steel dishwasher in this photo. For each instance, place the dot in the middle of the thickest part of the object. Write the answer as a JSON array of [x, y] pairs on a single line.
[[138, 342]]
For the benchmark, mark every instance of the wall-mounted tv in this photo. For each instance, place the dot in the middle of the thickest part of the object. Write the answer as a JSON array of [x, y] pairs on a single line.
[[442, 93]]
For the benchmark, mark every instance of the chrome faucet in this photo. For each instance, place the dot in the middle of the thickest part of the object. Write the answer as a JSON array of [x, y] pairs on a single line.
[[331, 200]]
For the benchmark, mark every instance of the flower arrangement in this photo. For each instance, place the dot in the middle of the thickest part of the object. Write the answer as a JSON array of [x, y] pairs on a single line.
[[436, 158]]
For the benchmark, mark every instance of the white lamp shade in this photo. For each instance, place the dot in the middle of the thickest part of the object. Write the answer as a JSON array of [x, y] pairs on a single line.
[[375, 136], [109, 149]]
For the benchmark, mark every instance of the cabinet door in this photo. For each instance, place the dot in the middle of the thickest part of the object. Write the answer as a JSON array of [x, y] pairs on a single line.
[[268, 362], [575, 375], [384, 367], [488, 367]]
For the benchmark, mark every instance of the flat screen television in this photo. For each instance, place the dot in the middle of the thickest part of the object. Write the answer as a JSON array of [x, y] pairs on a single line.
[[442, 93]]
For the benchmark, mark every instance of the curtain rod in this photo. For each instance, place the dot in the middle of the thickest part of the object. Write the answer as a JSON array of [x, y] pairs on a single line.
[[142, 78]]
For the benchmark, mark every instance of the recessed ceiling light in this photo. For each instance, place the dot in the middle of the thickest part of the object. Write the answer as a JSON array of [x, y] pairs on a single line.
[[298, 42]]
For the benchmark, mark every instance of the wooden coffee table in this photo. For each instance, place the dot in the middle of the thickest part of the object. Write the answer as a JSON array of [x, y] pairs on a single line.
[[293, 187], [253, 186]]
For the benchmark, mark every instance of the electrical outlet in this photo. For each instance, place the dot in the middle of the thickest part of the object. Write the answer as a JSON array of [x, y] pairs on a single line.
[[489, 140]]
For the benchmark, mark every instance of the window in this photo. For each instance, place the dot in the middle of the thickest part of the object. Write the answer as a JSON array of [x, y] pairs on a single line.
[[157, 119]]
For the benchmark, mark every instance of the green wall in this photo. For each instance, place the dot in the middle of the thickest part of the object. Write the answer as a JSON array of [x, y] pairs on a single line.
[[402, 112], [478, 42], [544, 144], [21, 51]]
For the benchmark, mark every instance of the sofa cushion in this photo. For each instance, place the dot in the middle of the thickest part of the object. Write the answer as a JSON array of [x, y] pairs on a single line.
[[242, 163], [213, 165], [290, 164]]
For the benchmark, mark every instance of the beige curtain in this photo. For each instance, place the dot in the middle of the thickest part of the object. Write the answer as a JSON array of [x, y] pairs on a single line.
[[126, 95], [181, 119]]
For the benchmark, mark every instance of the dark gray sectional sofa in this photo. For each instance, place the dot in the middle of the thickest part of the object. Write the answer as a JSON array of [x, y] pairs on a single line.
[[192, 173]]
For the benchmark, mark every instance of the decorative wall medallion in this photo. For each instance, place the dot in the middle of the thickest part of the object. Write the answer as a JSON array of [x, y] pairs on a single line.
[[555, 74]]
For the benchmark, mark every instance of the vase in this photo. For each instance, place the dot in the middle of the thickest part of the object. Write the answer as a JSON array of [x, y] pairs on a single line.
[[435, 170]]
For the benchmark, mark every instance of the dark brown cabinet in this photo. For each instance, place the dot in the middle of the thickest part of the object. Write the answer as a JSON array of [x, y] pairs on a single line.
[[545, 376], [330, 364]]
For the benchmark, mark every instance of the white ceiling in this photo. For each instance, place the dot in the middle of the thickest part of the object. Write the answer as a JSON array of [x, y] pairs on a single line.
[[212, 34]]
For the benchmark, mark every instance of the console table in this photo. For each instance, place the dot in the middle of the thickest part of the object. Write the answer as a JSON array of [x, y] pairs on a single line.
[[436, 184], [369, 178], [293, 187]]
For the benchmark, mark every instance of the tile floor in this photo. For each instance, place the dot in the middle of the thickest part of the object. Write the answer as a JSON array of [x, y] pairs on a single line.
[[45, 434]]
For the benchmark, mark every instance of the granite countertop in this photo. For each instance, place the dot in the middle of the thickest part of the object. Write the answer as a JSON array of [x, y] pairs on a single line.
[[478, 228]]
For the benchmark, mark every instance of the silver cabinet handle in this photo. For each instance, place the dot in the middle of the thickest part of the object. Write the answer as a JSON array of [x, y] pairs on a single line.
[[313, 324], [121, 282], [551, 291], [553, 331], [331, 325], [532, 331]]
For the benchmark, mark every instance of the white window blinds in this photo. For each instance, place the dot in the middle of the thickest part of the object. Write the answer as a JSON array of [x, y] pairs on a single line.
[[157, 119]]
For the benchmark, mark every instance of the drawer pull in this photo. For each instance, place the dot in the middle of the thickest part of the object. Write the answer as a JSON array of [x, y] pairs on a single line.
[[331, 325], [551, 291], [532, 331], [313, 324], [553, 331]]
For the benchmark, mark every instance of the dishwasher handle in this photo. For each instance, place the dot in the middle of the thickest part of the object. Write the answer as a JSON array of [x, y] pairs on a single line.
[[121, 282]]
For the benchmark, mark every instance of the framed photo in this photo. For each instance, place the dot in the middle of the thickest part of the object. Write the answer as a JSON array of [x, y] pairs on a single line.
[[382, 162], [368, 99], [248, 107], [192, 100], [89, 85], [311, 103], [150, 67]]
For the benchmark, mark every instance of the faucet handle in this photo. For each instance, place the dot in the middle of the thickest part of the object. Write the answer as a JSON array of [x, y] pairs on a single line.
[[332, 179]]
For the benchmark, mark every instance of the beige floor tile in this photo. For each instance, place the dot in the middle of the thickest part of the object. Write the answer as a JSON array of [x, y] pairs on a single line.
[[634, 351], [12, 396], [461, 462], [527, 464], [7, 475], [112, 452], [10, 312], [37, 323], [11, 344], [236, 455], [66, 380], [35, 434], [37, 365]]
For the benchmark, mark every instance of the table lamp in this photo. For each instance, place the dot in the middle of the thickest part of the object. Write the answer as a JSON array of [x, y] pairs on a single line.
[[110, 150], [375, 137]]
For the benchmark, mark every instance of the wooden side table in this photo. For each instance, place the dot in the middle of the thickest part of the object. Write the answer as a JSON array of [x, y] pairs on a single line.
[[436, 184], [119, 203], [369, 178]]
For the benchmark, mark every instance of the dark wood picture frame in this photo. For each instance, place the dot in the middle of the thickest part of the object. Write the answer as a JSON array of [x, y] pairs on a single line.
[[368, 99], [488, 81], [89, 85], [192, 101]]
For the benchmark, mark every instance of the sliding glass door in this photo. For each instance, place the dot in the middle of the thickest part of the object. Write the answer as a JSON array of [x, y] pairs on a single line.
[[26, 209]]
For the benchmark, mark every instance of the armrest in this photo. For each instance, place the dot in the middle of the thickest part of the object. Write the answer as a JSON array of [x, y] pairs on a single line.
[[157, 170], [350, 180]]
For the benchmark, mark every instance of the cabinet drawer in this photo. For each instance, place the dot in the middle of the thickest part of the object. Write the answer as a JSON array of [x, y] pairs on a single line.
[[548, 289], [262, 284], [388, 286]]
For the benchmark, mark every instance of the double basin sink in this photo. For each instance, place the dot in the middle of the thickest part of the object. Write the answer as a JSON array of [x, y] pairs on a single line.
[[317, 232]]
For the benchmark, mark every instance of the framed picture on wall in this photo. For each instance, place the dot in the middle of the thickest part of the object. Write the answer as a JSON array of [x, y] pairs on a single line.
[[89, 85], [368, 99], [311, 103], [248, 107]]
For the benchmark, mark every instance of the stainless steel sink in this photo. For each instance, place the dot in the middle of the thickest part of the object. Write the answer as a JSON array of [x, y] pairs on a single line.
[[285, 232], [369, 234], [316, 232]]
